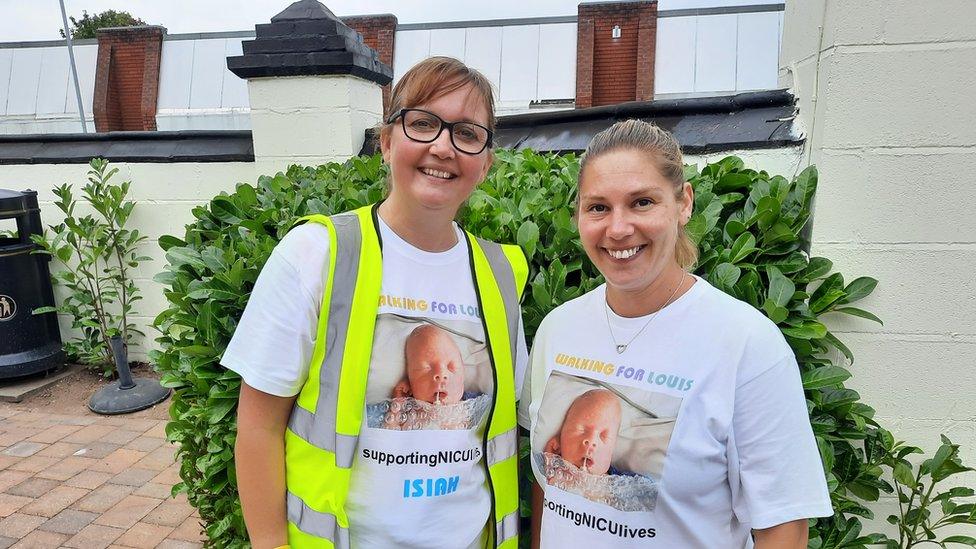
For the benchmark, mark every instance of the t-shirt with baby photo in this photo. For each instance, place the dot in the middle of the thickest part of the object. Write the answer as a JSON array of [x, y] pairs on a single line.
[[692, 436], [418, 476]]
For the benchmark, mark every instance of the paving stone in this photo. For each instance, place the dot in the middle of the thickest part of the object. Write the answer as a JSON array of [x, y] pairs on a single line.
[[96, 450], [153, 490], [134, 477], [60, 449], [170, 513], [118, 461], [120, 437], [67, 468], [13, 434], [10, 504], [69, 522], [19, 525], [55, 501], [128, 511], [102, 498], [12, 478], [170, 476], [141, 425], [54, 433], [88, 479], [24, 449], [159, 431], [189, 530], [39, 539], [160, 458], [89, 433], [144, 536], [33, 464], [7, 542], [33, 487], [6, 461], [76, 420], [94, 536], [145, 444], [169, 543]]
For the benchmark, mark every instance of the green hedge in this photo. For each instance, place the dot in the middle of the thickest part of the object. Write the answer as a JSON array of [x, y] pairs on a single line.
[[748, 224]]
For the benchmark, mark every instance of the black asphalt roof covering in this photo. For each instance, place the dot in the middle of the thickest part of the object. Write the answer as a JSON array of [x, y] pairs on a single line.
[[80, 148], [754, 120]]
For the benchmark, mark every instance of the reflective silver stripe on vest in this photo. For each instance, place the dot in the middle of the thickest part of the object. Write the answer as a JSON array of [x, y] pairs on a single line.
[[316, 523], [502, 446], [501, 268], [319, 429], [507, 527]]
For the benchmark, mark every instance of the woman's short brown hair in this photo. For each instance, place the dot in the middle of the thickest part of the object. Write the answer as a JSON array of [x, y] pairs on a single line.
[[434, 77], [664, 151]]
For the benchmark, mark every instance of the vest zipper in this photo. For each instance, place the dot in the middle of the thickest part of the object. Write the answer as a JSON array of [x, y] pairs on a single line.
[[492, 522]]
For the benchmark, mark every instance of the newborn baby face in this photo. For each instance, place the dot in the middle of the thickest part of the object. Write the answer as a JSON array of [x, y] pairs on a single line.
[[434, 367], [589, 432]]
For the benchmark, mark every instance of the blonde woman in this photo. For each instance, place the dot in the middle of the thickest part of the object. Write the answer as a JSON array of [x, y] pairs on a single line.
[[710, 444]]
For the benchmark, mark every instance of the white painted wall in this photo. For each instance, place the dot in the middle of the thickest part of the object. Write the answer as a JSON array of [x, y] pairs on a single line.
[[311, 119], [885, 99], [164, 194]]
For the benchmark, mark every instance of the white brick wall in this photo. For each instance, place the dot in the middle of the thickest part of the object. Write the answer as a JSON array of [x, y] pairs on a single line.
[[165, 194], [311, 119], [885, 99]]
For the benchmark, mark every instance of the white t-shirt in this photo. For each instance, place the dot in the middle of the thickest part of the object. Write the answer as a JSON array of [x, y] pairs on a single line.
[[697, 433], [418, 479]]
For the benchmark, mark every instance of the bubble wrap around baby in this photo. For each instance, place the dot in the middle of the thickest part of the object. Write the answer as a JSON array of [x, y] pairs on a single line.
[[406, 414], [623, 492]]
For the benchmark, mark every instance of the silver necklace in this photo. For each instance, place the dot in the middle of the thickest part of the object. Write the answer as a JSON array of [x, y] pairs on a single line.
[[621, 347]]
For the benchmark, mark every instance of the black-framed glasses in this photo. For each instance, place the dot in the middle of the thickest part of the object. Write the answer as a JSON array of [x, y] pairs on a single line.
[[425, 127]]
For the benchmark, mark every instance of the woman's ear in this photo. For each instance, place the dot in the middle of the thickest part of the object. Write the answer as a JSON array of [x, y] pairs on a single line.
[[489, 159], [385, 135], [687, 203]]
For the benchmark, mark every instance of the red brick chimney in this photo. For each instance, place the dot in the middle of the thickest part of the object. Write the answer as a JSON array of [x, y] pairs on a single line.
[[127, 78], [615, 46], [379, 33]]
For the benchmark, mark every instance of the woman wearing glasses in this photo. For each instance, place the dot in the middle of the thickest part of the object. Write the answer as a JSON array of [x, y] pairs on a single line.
[[379, 351]]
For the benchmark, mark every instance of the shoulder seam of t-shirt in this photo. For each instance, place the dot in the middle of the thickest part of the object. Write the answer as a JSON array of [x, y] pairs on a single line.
[[309, 294], [774, 364]]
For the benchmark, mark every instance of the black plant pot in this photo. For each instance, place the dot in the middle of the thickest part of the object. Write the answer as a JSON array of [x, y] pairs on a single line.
[[126, 394]]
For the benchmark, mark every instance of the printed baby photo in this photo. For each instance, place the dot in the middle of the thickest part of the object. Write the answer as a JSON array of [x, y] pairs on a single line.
[[604, 442], [427, 374]]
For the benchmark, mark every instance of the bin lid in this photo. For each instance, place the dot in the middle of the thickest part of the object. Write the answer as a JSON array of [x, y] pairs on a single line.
[[16, 201]]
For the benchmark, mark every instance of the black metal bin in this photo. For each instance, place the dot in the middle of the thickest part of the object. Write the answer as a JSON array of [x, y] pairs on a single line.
[[28, 343]]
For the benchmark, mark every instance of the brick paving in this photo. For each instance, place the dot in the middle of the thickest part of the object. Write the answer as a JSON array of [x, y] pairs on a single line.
[[88, 483]]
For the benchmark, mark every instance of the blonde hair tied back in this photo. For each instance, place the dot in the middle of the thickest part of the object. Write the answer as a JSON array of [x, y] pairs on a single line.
[[664, 151]]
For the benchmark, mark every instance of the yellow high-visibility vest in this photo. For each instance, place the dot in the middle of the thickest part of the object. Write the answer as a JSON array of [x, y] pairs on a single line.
[[324, 425]]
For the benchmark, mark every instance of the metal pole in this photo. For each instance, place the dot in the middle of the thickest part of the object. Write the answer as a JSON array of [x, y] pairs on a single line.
[[74, 69]]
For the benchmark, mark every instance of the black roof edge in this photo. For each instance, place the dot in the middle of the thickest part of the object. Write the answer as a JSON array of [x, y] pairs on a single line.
[[143, 147], [121, 136], [656, 107]]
